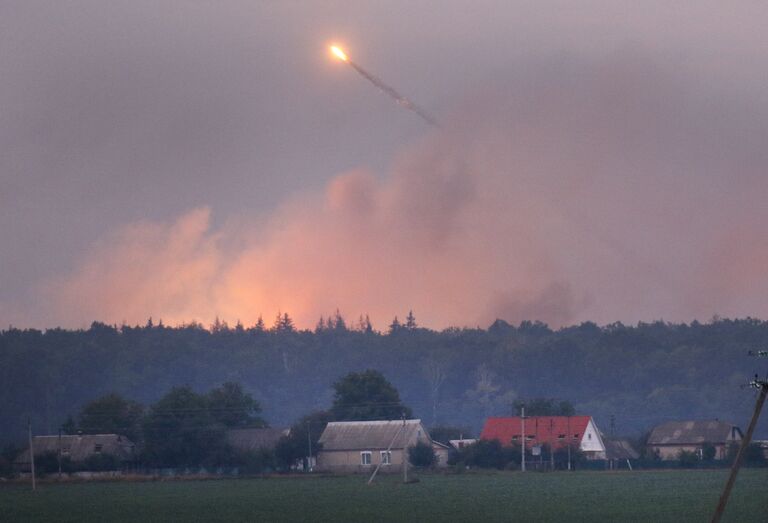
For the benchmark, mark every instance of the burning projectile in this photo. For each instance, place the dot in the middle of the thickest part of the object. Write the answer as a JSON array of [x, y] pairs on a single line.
[[384, 88]]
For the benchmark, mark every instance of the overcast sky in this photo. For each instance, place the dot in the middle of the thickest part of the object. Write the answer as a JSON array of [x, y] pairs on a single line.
[[597, 160]]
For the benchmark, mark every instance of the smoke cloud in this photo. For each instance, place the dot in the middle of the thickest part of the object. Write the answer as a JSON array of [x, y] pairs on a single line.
[[616, 190]]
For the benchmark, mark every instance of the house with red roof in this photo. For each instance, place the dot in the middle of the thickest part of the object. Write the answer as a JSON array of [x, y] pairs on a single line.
[[580, 432]]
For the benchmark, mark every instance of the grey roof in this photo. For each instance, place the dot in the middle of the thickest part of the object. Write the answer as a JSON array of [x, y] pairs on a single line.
[[255, 439], [693, 432], [80, 447], [619, 449], [370, 435]]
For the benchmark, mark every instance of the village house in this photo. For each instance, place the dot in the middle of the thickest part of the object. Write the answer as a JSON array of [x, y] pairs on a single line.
[[252, 440], [360, 446], [578, 432], [79, 448], [669, 439], [459, 444]]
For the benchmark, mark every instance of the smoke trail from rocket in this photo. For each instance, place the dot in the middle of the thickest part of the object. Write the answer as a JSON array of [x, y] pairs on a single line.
[[384, 88]]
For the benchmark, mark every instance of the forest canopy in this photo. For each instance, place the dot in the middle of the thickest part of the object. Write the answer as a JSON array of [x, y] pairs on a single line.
[[642, 375]]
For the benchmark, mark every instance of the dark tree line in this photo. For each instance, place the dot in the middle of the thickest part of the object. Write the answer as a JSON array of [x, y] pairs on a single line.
[[642, 374]]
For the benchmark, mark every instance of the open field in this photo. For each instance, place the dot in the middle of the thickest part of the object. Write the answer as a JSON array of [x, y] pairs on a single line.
[[673, 496]]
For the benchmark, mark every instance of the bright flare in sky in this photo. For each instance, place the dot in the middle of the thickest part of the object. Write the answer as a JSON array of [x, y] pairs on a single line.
[[339, 53], [384, 88]]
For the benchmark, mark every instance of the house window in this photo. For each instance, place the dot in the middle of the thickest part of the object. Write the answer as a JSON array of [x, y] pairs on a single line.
[[561, 436], [365, 458], [386, 457], [515, 438], [575, 436], [589, 436], [97, 448], [529, 438]]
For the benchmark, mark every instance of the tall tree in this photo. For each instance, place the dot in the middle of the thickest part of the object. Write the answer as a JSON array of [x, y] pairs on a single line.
[[283, 323], [180, 431], [232, 407], [410, 321], [367, 396], [338, 322], [259, 326], [112, 414], [303, 434]]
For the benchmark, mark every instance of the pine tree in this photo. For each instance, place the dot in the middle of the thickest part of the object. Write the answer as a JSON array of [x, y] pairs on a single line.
[[368, 327], [320, 327], [395, 326], [339, 323], [410, 321], [219, 326], [259, 327], [283, 323]]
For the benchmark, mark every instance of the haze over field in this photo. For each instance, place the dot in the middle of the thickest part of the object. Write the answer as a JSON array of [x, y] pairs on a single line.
[[602, 163]]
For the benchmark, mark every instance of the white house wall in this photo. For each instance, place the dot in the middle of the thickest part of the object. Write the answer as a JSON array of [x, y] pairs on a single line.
[[591, 440]]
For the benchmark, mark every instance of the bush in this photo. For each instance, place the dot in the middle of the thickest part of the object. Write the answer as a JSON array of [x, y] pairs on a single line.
[[486, 454], [753, 457], [708, 451], [688, 459], [258, 461], [101, 462], [421, 455], [5, 468]]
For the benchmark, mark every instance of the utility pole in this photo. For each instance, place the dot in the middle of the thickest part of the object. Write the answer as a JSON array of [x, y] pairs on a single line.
[[568, 441], [522, 451], [613, 432], [59, 454], [538, 443], [405, 453], [762, 386], [309, 445], [552, 444], [31, 453]]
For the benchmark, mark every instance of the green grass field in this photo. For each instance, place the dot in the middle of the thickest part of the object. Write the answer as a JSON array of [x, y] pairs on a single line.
[[673, 496]]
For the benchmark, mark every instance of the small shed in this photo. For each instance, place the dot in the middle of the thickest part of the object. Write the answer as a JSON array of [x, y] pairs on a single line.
[[618, 452], [442, 453]]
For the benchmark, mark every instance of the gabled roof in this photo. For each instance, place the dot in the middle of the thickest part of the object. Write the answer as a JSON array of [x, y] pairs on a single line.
[[370, 435], [619, 449], [461, 443], [80, 447], [693, 432], [255, 439], [554, 430]]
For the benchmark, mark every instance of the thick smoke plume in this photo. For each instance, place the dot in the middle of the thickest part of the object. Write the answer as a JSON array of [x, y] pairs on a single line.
[[604, 192]]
